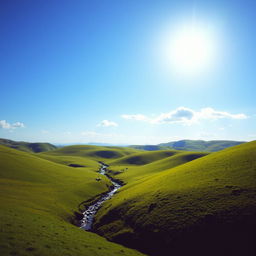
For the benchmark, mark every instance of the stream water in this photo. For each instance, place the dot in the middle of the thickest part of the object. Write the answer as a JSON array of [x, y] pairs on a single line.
[[89, 213]]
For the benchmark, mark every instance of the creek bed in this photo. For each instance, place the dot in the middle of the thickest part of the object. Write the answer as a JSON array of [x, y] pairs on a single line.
[[90, 212]]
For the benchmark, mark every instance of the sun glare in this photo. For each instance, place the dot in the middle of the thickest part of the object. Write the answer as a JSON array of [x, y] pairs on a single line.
[[190, 50]]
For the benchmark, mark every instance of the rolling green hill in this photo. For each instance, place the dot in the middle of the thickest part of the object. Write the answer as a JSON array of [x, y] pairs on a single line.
[[93, 152], [191, 145], [142, 165], [143, 158], [203, 207], [38, 199], [27, 147], [86, 155], [150, 147], [201, 145], [174, 202]]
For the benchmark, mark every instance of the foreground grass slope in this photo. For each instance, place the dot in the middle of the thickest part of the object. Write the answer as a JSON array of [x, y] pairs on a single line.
[[38, 199], [204, 207], [27, 147]]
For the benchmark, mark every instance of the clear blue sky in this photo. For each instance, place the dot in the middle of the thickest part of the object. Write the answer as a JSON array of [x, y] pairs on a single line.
[[94, 71]]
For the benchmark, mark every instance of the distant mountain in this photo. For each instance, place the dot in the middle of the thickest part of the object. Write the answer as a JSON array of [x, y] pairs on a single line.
[[150, 147], [191, 145], [27, 147]]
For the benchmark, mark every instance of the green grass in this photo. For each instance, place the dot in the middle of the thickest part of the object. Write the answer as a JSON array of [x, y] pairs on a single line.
[[67, 160], [86, 155], [173, 203], [138, 166], [204, 207], [150, 147], [191, 145], [201, 145], [38, 199], [143, 158], [93, 152], [27, 147]]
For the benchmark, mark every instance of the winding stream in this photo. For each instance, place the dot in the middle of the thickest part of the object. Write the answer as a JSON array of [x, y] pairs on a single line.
[[89, 213]]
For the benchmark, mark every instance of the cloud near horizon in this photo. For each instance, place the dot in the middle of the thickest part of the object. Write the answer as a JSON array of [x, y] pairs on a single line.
[[107, 123], [185, 116], [5, 125]]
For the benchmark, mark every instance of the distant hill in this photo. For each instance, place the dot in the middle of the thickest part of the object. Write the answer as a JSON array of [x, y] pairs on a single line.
[[150, 147], [27, 147], [191, 145]]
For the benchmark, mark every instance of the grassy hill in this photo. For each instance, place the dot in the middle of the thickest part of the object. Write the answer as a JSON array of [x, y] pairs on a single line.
[[150, 147], [142, 165], [191, 145], [93, 152], [201, 145], [27, 147], [174, 202], [38, 199], [143, 158], [86, 155], [203, 207]]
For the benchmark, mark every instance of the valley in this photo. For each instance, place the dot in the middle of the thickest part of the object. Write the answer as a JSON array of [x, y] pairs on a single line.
[[169, 198]]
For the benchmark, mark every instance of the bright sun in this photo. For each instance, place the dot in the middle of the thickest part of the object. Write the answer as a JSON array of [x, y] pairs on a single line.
[[191, 50]]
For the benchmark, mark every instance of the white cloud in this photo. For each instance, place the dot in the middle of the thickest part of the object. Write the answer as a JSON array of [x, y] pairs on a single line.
[[186, 116], [5, 125], [107, 123], [181, 114], [18, 125]]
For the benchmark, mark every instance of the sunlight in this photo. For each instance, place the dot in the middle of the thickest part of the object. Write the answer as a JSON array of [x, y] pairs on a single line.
[[190, 50]]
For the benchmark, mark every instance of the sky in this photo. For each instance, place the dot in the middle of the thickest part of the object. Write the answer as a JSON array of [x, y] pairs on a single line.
[[108, 71]]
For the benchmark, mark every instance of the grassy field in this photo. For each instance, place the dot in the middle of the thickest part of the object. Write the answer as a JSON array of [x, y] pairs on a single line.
[[174, 202], [38, 200], [203, 207]]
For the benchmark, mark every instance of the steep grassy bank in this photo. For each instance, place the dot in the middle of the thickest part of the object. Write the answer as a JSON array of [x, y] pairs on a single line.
[[38, 199], [204, 207]]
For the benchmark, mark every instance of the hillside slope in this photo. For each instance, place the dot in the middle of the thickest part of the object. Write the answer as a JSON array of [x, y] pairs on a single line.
[[150, 147], [93, 152], [191, 145], [86, 155], [38, 199], [143, 158], [142, 165], [204, 207], [27, 147], [201, 145]]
